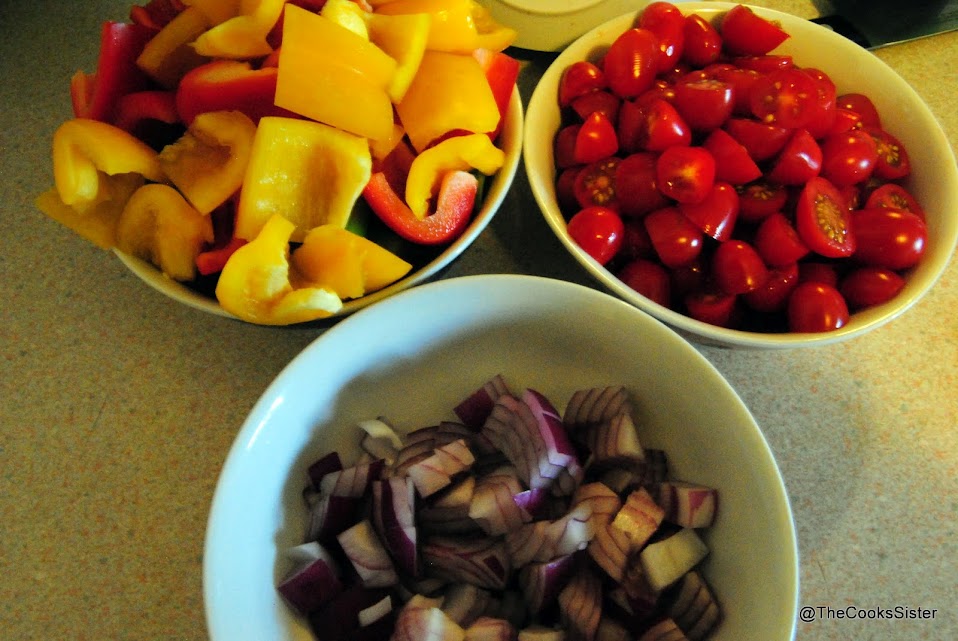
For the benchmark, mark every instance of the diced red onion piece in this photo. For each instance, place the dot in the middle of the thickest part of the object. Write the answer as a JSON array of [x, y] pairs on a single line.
[[331, 515], [541, 633], [447, 511], [481, 561], [611, 630], [589, 407], [326, 464], [542, 582], [394, 518], [493, 504], [491, 629], [376, 611], [665, 630], [545, 540], [535, 503], [380, 439], [688, 504], [368, 556], [580, 605], [352, 481], [436, 471], [615, 442], [638, 519], [605, 503], [417, 623], [314, 579], [664, 562], [338, 619], [475, 408], [694, 608], [464, 603]]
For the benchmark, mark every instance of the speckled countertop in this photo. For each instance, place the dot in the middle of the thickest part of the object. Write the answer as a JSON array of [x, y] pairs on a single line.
[[118, 406]]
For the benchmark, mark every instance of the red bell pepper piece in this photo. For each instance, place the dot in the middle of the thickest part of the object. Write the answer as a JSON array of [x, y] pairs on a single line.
[[156, 14], [501, 71], [95, 96], [229, 85], [213, 260], [457, 197], [138, 108]]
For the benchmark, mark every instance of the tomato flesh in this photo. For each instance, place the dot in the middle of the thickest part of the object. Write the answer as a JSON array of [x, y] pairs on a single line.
[[823, 220]]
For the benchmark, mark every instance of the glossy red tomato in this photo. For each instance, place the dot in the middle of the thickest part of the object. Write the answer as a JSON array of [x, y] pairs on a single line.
[[703, 44], [799, 161], [784, 98], [652, 125], [602, 101], [685, 174], [595, 140], [564, 147], [597, 230], [737, 268], [867, 286], [649, 279], [635, 241], [732, 162], [764, 64], [889, 238], [816, 307], [759, 200], [630, 63], [705, 104], [823, 220], [579, 79], [894, 196], [777, 242], [716, 215], [848, 158], [824, 110], [893, 161], [816, 272], [772, 296], [714, 308], [746, 33], [762, 141], [666, 21], [565, 191], [861, 105], [675, 239], [636, 185], [595, 184], [741, 81]]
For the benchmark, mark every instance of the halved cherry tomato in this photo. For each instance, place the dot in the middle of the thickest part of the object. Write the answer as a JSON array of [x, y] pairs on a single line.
[[894, 196], [746, 33], [823, 221], [762, 141], [772, 296], [688, 278], [823, 109], [759, 200], [704, 104], [635, 241], [777, 242], [579, 79], [716, 214], [602, 101], [595, 183], [714, 308], [666, 21], [595, 140], [565, 190], [845, 120], [784, 98], [799, 161], [675, 239], [889, 238], [848, 158], [732, 162], [630, 63], [685, 174], [564, 146], [816, 307], [867, 286], [652, 125], [863, 106], [597, 230], [649, 279], [737, 268], [816, 272], [703, 44], [637, 191], [764, 64], [893, 161], [741, 81]]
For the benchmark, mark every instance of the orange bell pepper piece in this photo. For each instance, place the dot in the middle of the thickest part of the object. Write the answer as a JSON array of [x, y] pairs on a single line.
[[255, 282], [168, 56], [242, 36], [451, 28], [86, 153], [159, 226], [348, 14], [208, 163], [309, 172], [459, 153], [449, 93]]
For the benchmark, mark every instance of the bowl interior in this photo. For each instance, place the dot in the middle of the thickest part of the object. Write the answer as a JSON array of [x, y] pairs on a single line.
[[456, 334], [853, 69], [427, 261]]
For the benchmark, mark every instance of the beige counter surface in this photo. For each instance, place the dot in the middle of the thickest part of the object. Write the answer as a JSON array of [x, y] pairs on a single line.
[[118, 406]]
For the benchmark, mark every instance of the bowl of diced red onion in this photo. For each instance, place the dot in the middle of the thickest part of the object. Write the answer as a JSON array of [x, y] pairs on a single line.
[[479, 458], [748, 177]]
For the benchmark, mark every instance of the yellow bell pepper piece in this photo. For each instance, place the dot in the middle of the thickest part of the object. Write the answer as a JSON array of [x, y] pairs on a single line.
[[459, 153], [255, 283], [452, 27], [242, 36], [450, 92], [309, 172], [86, 153], [490, 34], [208, 163], [348, 14], [159, 226], [404, 38], [168, 56], [346, 263], [216, 11], [97, 223], [330, 74]]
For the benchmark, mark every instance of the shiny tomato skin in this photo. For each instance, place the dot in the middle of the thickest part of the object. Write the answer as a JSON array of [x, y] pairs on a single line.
[[742, 81], [595, 140], [630, 64], [762, 141], [799, 161], [704, 104], [816, 272], [716, 215], [823, 109], [894, 196], [649, 279], [602, 101], [777, 242], [888, 238], [848, 158], [737, 268], [868, 286], [844, 120], [823, 220], [759, 200], [579, 79], [636, 185], [597, 230], [685, 174], [714, 308], [772, 296], [784, 98], [703, 44], [635, 241], [666, 21], [732, 162], [564, 147], [675, 239], [764, 64], [595, 184], [893, 161], [652, 124], [861, 105], [816, 307], [746, 33]]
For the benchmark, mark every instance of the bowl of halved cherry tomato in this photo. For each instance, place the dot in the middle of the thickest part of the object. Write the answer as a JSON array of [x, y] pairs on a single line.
[[746, 176]]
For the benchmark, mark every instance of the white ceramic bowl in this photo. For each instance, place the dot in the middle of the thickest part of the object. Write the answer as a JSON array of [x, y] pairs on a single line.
[[427, 263], [934, 179], [414, 356]]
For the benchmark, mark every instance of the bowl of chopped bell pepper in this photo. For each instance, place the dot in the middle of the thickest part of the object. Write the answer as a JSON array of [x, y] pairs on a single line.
[[282, 162]]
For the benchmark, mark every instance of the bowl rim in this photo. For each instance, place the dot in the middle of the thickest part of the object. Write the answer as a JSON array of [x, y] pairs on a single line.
[[931, 268], [480, 292], [499, 185]]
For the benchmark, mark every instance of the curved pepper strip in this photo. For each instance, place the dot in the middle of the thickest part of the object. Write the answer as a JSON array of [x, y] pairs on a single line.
[[209, 162], [457, 197], [97, 223], [255, 282], [168, 56], [242, 36], [474, 151], [228, 85], [88, 153]]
